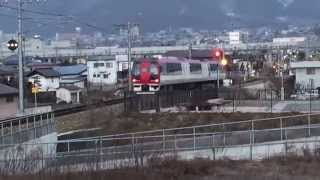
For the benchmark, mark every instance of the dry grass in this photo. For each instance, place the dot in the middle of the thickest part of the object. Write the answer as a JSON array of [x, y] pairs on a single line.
[[143, 122], [292, 168]]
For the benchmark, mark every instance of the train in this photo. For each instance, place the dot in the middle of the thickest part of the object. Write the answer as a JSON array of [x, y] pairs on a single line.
[[150, 75]]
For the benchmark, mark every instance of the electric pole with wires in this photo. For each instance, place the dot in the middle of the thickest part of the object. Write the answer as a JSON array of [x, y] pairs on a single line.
[[128, 28], [20, 52]]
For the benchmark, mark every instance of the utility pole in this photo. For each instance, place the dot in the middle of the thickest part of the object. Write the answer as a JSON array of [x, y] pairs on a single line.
[[129, 57], [190, 50], [21, 74]]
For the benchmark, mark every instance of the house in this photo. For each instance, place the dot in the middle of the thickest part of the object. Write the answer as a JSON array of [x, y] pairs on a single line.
[[69, 94], [46, 79], [74, 75], [307, 74], [106, 70], [8, 101], [8, 75]]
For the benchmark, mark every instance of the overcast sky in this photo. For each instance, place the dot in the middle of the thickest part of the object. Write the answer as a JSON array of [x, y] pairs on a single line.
[[100, 15]]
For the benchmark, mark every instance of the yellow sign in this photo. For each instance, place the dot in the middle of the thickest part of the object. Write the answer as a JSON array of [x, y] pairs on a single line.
[[35, 90]]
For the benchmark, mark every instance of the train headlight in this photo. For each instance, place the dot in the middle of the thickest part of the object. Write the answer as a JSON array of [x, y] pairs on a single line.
[[134, 80], [157, 81]]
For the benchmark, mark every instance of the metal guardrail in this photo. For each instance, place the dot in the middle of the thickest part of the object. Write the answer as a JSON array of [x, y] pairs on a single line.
[[214, 138], [24, 128], [195, 137]]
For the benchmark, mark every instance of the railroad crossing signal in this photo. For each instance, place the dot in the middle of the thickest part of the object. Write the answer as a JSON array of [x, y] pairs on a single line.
[[218, 54], [35, 89], [12, 45]]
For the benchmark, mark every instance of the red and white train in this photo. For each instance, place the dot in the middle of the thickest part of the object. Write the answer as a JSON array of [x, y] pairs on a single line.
[[149, 75]]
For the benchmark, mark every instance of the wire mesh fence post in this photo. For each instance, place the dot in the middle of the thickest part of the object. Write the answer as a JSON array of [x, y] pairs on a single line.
[[19, 121], [309, 125], [133, 146], [271, 100], [194, 139], [125, 102], [281, 129], [68, 146], [158, 106], [27, 122], [251, 139], [224, 135], [163, 141]]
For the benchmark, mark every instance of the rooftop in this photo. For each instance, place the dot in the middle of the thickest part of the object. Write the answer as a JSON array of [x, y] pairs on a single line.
[[71, 70], [7, 90], [305, 64], [46, 72]]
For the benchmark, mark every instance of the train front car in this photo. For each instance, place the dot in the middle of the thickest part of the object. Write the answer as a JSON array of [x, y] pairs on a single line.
[[146, 76]]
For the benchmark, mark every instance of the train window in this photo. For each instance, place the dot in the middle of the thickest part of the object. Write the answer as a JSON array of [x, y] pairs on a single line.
[[213, 67], [174, 68], [136, 69], [109, 65], [195, 68], [154, 69], [96, 65]]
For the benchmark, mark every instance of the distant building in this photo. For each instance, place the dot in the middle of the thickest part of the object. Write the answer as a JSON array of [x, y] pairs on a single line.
[[46, 79], [307, 74], [74, 75], [107, 70], [8, 75], [238, 37], [289, 40], [8, 101], [69, 94]]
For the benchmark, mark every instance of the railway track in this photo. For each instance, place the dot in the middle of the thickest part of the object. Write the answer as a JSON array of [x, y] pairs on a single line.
[[81, 108]]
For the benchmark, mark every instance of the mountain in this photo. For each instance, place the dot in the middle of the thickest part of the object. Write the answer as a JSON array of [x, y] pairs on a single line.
[[158, 14]]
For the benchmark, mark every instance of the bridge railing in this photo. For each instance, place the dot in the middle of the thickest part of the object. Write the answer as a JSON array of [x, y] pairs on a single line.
[[26, 128], [252, 139], [199, 137]]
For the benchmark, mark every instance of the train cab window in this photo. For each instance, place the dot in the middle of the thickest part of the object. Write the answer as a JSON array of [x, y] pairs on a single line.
[[174, 68], [154, 69], [136, 69], [195, 68]]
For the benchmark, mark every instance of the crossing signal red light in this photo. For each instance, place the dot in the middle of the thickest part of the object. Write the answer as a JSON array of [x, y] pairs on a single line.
[[218, 54]]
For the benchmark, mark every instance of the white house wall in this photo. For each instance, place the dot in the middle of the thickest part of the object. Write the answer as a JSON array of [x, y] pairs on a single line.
[[46, 84], [303, 78], [111, 73]]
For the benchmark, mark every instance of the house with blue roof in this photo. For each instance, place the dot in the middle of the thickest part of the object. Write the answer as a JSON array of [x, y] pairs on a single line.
[[74, 75]]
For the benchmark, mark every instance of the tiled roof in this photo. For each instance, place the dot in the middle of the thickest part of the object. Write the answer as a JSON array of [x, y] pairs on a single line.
[[71, 70], [7, 70], [46, 72], [7, 90]]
